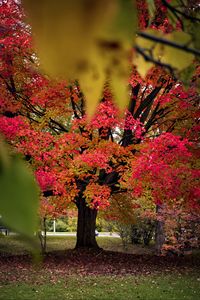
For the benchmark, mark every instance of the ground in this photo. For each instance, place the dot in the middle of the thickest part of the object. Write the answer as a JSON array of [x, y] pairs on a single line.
[[89, 274]]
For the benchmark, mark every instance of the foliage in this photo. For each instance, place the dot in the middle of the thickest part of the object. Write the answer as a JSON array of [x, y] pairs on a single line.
[[166, 159], [148, 150], [63, 224], [143, 231], [182, 231]]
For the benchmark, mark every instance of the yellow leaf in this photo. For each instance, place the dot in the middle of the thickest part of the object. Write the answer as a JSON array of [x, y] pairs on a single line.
[[85, 40], [120, 90], [119, 75], [64, 32], [141, 64], [91, 83], [139, 61], [176, 58]]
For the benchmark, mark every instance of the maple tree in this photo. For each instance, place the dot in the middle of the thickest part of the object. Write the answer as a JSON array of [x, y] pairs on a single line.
[[84, 160]]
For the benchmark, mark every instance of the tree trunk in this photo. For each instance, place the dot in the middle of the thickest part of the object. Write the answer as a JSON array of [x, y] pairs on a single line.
[[42, 233], [160, 232], [86, 226]]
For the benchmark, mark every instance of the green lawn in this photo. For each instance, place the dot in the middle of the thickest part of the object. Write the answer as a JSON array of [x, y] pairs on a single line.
[[108, 288], [12, 245]]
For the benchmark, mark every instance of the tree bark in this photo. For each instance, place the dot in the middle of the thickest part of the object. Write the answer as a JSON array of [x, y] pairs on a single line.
[[86, 226], [160, 232], [42, 234]]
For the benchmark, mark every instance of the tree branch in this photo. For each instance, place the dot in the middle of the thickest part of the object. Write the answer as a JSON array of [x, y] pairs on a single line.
[[156, 62], [168, 43], [61, 126], [176, 11]]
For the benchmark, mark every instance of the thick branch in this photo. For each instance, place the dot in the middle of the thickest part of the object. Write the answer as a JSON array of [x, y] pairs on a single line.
[[147, 101], [128, 135], [61, 127]]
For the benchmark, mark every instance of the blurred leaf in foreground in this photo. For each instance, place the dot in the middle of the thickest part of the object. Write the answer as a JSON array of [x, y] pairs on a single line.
[[86, 40], [19, 195]]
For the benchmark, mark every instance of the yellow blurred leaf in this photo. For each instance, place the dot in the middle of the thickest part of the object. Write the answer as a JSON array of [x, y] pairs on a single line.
[[84, 40], [195, 34], [119, 76], [64, 32], [120, 90], [142, 65], [91, 83]]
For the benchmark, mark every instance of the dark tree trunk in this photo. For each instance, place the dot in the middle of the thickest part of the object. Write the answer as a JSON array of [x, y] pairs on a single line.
[[160, 232], [86, 226], [42, 233]]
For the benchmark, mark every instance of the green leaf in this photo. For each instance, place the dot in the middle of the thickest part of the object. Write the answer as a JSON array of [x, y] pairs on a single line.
[[195, 29], [4, 158], [151, 8], [19, 197], [173, 17], [186, 75]]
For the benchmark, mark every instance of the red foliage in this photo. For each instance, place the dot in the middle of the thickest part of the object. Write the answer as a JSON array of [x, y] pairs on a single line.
[[164, 167], [72, 157]]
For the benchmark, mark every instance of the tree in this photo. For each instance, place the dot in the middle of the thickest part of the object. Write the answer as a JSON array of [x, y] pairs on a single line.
[[82, 160]]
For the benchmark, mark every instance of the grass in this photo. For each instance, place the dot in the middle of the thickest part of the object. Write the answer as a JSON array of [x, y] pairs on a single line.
[[13, 245], [107, 288], [66, 277]]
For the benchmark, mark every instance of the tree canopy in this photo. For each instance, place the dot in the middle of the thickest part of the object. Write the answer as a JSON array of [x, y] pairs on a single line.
[[83, 156]]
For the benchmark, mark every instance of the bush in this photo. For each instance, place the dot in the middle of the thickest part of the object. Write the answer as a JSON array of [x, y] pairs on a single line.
[[140, 233], [143, 232], [64, 224], [61, 225], [125, 233]]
